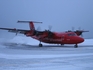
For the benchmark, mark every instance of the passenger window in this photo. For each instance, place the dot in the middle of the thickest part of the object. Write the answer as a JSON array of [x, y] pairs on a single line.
[[72, 34]]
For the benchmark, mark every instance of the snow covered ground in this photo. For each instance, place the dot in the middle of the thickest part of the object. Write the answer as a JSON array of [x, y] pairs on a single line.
[[22, 53]]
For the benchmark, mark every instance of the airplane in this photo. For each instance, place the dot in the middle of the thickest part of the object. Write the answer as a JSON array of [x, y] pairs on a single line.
[[47, 36]]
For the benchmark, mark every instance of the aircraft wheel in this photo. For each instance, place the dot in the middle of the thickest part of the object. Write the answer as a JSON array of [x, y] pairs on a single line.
[[62, 44], [76, 46], [40, 45]]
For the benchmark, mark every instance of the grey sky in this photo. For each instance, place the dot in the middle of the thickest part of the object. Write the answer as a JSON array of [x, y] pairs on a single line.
[[61, 14]]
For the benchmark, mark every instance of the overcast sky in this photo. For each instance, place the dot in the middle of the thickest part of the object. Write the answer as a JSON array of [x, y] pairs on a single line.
[[62, 15]]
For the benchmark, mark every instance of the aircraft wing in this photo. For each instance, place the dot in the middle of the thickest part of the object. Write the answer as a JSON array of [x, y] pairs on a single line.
[[43, 34], [14, 30]]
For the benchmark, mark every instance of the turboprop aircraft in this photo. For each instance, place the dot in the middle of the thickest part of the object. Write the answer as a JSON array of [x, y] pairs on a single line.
[[47, 36]]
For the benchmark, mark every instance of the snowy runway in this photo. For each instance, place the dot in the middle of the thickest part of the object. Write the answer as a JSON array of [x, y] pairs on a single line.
[[26, 57]]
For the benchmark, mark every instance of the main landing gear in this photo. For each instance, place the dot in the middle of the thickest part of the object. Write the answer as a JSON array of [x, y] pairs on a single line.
[[40, 45], [62, 44], [75, 46]]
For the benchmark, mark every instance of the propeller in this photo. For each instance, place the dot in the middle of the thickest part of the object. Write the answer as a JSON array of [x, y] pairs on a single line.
[[50, 27], [72, 30], [38, 28], [36, 32], [78, 32], [48, 31], [50, 34]]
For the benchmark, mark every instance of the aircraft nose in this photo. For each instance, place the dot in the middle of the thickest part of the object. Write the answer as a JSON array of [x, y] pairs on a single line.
[[81, 40]]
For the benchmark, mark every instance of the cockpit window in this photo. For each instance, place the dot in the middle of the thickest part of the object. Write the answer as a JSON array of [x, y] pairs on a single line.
[[71, 34]]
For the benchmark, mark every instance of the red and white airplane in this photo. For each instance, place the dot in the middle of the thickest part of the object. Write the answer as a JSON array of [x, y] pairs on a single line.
[[47, 36]]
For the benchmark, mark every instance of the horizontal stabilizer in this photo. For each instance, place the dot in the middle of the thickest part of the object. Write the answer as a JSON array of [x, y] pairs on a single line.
[[28, 22]]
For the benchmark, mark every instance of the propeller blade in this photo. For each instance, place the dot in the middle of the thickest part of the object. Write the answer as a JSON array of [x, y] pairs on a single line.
[[38, 28], [50, 27]]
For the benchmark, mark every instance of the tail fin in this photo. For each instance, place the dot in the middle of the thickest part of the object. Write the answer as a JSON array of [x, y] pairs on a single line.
[[31, 24]]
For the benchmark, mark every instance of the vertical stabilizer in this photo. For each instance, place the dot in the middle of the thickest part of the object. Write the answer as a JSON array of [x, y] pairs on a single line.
[[31, 25]]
